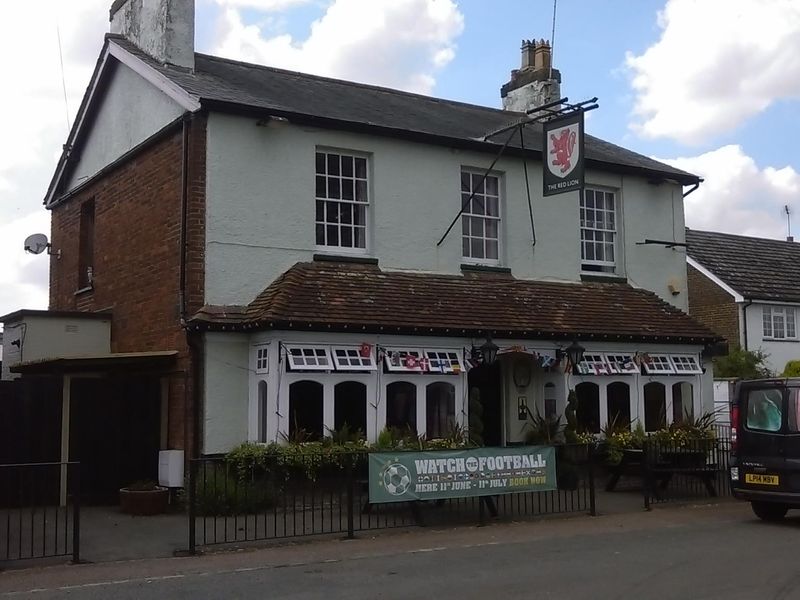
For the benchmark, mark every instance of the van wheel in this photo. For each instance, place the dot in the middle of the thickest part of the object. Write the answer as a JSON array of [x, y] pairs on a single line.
[[766, 511]]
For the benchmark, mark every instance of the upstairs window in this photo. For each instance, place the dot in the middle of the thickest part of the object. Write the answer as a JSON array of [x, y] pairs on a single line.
[[480, 219], [342, 200], [779, 323], [598, 230], [86, 246]]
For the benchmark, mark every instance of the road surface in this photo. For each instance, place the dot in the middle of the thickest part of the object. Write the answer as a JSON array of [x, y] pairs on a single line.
[[677, 552]]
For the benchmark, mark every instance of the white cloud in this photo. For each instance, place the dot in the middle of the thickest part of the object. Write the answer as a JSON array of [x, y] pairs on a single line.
[[717, 63], [739, 197], [396, 43], [263, 5]]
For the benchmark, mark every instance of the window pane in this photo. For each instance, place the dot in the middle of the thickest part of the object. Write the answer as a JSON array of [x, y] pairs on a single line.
[[320, 235], [477, 226], [478, 205], [347, 166], [587, 413], [440, 409], [464, 225], [767, 321], [790, 328], [491, 186], [361, 191], [360, 213], [333, 188], [361, 237], [333, 164], [477, 248], [346, 213], [465, 247], [350, 407], [332, 212], [361, 168], [333, 235], [493, 207], [764, 410], [320, 211], [491, 228], [347, 237], [305, 410], [465, 182], [491, 249], [655, 406], [320, 187], [347, 189], [320, 163]]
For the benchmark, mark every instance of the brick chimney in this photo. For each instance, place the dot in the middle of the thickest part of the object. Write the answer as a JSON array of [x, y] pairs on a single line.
[[164, 29], [534, 83]]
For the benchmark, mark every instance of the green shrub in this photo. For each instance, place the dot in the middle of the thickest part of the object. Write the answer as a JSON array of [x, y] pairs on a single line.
[[219, 491], [792, 369], [743, 364]]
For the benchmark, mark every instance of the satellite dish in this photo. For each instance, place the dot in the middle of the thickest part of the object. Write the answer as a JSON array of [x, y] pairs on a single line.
[[36, 243]]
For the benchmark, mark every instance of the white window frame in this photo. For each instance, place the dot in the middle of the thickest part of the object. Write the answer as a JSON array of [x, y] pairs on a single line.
[[686, 364], [447, 361], [468, 214], [622, 363], [608, 266], [594, 363], [401, 368], [262, 359], [365, 363], [319, 351], [769, 315], [659, 364], [351, 204]]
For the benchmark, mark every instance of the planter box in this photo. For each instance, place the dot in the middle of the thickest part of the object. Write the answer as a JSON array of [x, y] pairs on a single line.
[[150, 502]]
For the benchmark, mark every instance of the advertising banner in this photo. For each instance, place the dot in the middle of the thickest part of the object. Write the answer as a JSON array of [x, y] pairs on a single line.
[[563, 154], [404, 476]]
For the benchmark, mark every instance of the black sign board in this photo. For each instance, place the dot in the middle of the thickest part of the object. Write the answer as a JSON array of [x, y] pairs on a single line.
[[563, 154]]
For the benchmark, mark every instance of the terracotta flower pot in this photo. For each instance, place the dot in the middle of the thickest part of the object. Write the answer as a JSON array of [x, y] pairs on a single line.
[[143, 502]]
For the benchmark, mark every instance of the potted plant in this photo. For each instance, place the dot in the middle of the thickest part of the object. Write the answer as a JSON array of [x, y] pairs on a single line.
[[143, 498]]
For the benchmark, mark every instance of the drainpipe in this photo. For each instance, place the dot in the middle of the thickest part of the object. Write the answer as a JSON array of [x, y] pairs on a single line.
[[745, 306], [192, 341]]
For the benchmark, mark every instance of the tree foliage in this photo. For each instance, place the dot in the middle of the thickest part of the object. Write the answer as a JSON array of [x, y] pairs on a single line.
[[742, 364]]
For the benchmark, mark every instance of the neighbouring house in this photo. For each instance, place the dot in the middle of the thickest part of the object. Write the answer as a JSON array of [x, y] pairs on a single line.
[[747, 289], [263, 246]]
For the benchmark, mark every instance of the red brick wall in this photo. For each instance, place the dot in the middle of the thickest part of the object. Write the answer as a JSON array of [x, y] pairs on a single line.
[[137, 252], [713, 306]]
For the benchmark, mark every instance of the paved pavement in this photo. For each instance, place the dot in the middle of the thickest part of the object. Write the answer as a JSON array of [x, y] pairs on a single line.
[[712, 551]]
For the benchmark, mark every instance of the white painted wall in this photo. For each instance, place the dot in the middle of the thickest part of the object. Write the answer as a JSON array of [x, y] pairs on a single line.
[[231, 397], [225, 384], [779, 352], [43, 337], [131, 111], [260, 211]]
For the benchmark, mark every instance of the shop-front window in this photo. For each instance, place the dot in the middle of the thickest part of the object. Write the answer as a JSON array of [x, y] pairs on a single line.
[[440, 409], [305, 411], [619, 405], [682, 404], [350, 407], [588, 411], [655, 406], [401, 406]]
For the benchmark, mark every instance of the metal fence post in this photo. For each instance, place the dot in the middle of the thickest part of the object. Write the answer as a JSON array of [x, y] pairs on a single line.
[[192, 507], [350, 484], [76, 513], [648, 475], [592, 497]]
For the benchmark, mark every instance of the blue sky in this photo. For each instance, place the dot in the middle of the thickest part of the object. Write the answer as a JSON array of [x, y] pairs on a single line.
[[711, 86]]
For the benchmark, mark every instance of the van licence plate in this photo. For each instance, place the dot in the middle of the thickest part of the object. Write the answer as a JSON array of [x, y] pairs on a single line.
[[761, 479]]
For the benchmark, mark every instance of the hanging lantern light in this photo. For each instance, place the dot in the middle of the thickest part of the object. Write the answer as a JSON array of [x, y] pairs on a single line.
[[489, 350]]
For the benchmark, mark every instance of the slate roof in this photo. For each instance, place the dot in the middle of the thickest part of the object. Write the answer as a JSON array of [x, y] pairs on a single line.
[[354, 297], [757, 268], [224, 84]]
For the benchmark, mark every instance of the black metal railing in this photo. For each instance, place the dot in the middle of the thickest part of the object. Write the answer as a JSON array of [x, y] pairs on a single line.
[[683, 469], [33, 521], [318, 494]]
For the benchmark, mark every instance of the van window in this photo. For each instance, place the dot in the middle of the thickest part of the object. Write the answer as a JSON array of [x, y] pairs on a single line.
[[794, 410], [764, 410]]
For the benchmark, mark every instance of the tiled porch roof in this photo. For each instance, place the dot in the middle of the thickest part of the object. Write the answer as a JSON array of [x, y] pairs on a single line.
[[323, 296]]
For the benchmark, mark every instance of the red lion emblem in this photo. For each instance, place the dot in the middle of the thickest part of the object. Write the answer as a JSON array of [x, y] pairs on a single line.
[[563, 146]]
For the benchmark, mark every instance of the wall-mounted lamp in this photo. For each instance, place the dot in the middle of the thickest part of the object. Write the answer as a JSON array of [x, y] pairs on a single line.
[[574, 354], [489, 350]]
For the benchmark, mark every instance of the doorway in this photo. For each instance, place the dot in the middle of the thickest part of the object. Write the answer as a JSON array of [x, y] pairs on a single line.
[[488, 380]]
